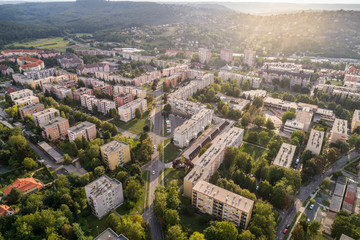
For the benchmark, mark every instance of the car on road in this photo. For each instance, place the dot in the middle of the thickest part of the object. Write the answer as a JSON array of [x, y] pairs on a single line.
[[311, 206], [287, 226], [308, 220], [285, 231], [153, 172], [154, 147]]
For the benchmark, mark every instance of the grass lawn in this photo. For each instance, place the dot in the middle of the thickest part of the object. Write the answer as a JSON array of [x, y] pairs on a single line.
[[170, 152], [160, 177], [351, 167], [148, 187], [337, 83], [134, 126], [139, 205], [171, 174], [92, 225], [166, 141], [165, 127], [258, 130], [57, 44], [255, 152]]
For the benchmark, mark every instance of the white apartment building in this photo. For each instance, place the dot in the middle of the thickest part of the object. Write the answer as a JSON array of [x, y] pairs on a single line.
[[315, 141], [21, 94], [103, 105], [192, 127], [293, 125], [250, 57], [204, 55], [26, 100], [103, 195], [184, 106], [45, 116], [252, 94], [285, 155], [84, 129], [305, 116], [127, 111], [135, 91], [339, 130], [226, 76], [355, 122]]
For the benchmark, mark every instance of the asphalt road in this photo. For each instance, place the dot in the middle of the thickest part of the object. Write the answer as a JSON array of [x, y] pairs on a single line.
[[305, 191]]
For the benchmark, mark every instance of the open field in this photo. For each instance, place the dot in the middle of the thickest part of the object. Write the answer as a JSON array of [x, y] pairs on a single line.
[[57, 44], [173, 174], [135, 125], [170, 152], [254, 151]]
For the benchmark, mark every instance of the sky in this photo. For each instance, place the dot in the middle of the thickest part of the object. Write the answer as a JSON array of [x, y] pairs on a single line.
[[267, 1]]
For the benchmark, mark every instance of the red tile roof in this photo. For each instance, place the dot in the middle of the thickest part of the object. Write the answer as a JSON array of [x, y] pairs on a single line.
[[23, 184], [4, 209]]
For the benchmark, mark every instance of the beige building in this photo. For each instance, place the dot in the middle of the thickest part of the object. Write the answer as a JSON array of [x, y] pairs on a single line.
[[222, 203], [293, 125], [355, 122], [315, 141], [115, 153], [339, 130], [250, 58], [204, 55], [226, 55], [127, 111], [209, 162], [45, 116], [285, 155], [305, 116], [21, 94], [26, 100], [192, 127], [103, 195], [30, 109], [85, 129], [55, 129]]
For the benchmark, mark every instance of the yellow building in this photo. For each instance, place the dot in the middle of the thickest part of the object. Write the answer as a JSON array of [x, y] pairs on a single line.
[[222, 203], [355, 122], [115, 153]]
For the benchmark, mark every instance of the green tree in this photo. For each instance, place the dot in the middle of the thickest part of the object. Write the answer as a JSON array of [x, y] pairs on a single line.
[[167, 108], [132, 227], [298, 233], [67, 159], [30, 164], [15, 195], [99, 171], [221, 231], [259, 121], [246, 235], [263, 138], [263, 221], [122, 176], [314, 227], [287, 116], [245, 120], [197, 236], [133, 190], [172, 217], [137, 113], [269, 124], [258, 102], [175, 233]]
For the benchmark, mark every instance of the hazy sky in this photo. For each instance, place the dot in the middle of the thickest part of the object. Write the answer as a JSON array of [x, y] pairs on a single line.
[[277, 1]]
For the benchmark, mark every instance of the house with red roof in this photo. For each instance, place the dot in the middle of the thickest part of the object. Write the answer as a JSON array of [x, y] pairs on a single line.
[[30, 64], [6, 70], [27, 185], [5, 210]]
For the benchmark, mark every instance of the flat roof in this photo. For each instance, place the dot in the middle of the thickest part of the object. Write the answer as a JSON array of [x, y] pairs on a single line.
[[315, 140], [29, 106], [345, 237], [340, 187], [285, 155], [340, 126], [294, 124], [335, 204], [81, 126], [304, 116], [46, 112], [101, 185], [357, 115], [225, 196], [109, 234], [54, 122], [112, 146], [51, 151]]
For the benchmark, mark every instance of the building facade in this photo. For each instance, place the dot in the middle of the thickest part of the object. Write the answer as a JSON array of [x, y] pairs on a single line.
[[45, 116], [127, 111], [115, 153], [30, 109], [83, 129], [55, 129], [339, 131]]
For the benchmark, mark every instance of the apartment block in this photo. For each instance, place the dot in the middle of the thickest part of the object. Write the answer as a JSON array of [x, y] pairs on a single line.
[[30, 109], [339, 131], [92, 68], [204, 55], [55, 129], [30, 64], [186, 107], [355, 122], [123, 98], [166, 72], [21, 94], [58, 90], [81, 91], [254, 81], [324, 114], [127, 111], [305, 117], [315, 141], [226, 55], [293, 125], [45, 116], [135, 91], [209, 162], [103, 105], [192, 127], [252, 94], [173, 80], [69, 60], [222, 203], [83, 129], [103, 195], [26, 100], [115, 153], [250, 58], [279, 104], [44, 73], [285, 155]]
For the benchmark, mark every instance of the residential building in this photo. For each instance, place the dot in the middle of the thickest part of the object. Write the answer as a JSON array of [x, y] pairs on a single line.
[[209, 162], [293, 125], [285, 155], [204, 55], [186, 107], [5, 210], [135, 91], [167, 72], [26, 100], [30, 109], [55, 129], [172, 81], [305, 117], [339, 131], [226, 55], [136, 57], [69, 83], [21, 94], [21, 52], [228, 76], [69, 60], [26, 185], [127, 111], [192, 127], [92, 68], [6, 70], [252, 94], [83, 129], [81, 91], [123, 98], [58, 90], [103, 105], [39, 74], [30, 64], [355, 122], [338, 195], [279, 104], [115, 153], [94, 52], [104, 88], [324, 114], [222, 203], [315, 141], [51, 152], [345, 237], [103, 195], [109, 234], [350, 197], [45, 116], [352, 78], [250, 57]]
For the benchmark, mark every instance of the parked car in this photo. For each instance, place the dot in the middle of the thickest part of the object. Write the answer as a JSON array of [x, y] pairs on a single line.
[[285, 231], [153, 172], [287, 226], [311, 206]]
